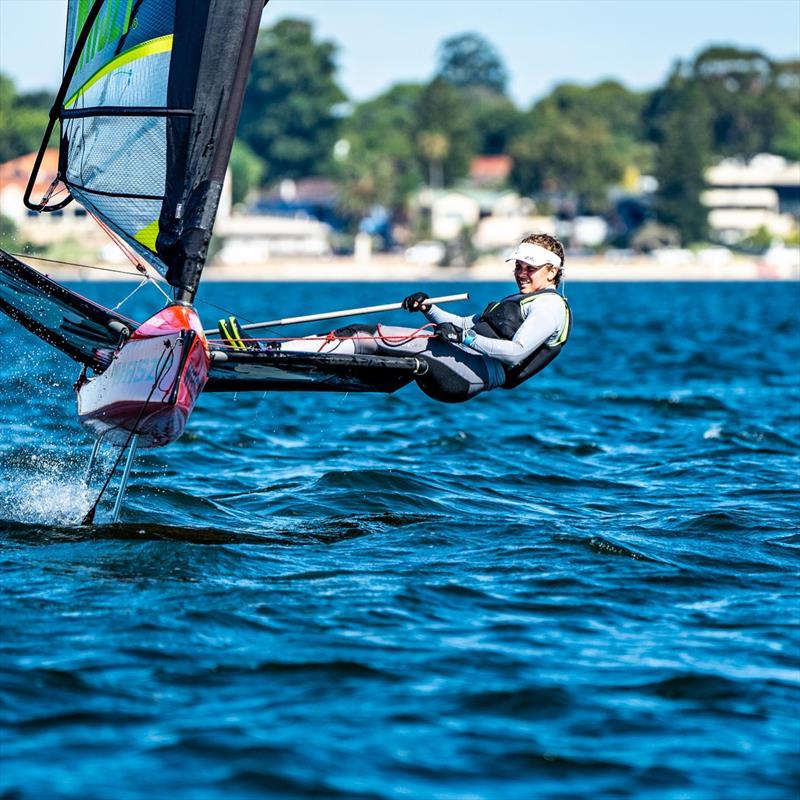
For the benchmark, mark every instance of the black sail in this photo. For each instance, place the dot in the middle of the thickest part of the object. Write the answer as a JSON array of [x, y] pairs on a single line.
[[148, 107]]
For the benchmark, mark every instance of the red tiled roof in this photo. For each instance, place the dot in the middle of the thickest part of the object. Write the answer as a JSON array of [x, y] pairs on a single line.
[[490, 168], [17, 171]]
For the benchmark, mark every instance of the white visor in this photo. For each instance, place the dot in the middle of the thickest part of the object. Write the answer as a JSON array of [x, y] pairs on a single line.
[[535, 256]]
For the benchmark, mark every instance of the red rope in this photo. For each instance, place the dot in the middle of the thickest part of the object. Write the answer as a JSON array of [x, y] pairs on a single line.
[[126, 251], [326, 338], [332, 337]]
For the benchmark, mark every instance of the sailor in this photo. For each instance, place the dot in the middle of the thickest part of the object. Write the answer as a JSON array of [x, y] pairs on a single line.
[[512, 340]]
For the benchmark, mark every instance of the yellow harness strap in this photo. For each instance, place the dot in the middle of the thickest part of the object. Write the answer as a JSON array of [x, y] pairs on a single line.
[[567, 322], [230, 332], [562, 337]]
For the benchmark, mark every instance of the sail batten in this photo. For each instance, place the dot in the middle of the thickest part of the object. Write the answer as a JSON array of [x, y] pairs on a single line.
[[148, 109]]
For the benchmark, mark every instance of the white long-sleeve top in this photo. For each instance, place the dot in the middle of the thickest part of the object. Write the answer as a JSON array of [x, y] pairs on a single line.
[[543, 321]]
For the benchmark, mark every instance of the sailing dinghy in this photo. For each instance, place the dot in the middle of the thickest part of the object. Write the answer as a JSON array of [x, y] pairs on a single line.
[[147, 111]]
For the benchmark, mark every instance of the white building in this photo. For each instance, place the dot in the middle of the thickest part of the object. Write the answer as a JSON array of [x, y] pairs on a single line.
[[498, 218], [744, 196], [256, 238], [252, 239]]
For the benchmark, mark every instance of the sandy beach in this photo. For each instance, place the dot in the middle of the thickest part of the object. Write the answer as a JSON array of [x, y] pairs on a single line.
[[394, 268]]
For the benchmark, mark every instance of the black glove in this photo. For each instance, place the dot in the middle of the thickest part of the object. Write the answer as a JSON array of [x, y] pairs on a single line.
[[448, 332], [415, 302]]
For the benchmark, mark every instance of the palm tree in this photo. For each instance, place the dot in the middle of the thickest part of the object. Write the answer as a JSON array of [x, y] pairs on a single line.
[[435, 147]]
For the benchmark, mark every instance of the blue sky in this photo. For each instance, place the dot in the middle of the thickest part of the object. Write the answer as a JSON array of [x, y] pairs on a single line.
[[543, 42]]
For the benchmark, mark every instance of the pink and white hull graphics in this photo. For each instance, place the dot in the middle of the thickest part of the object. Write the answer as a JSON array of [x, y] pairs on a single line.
[[152, 384]]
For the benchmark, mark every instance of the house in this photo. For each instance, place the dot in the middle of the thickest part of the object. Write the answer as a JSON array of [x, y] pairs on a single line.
[[256, 238], [279, 229], [495, 218], [506, 217], [450, 211], [490, 171], [309, 198], [744, 196], [70, 223], [14, 176]]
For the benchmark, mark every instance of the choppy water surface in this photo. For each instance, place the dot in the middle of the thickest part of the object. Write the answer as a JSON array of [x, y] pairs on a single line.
[[586, 587]]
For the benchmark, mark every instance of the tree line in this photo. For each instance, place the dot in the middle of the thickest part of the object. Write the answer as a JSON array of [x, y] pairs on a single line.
[[568, 149]]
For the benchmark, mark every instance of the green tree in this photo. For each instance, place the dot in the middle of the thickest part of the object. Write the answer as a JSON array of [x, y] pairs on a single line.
[[247, 171], [8, 233], [10, 240], [568, 161], [610, 101], [786, 141], [753, 101], [470, 63], [577, 142], [434, 147], [442, 116], [366, 180], [289, 117], [469, 60], [684, 153], [8, 97], [23, 119], [382, 132], [609, 104], [743, 96], [495, 120]]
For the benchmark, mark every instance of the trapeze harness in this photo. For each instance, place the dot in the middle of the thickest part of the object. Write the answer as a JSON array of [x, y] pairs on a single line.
[[501, 320]]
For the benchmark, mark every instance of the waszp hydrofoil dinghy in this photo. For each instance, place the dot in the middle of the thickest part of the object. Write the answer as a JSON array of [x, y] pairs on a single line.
[[147, 111]]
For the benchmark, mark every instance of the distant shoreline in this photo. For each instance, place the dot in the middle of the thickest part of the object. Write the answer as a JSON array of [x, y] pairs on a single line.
[[394, 269]]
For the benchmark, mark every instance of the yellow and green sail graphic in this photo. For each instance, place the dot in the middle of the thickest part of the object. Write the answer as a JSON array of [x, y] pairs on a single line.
[[147, 119]]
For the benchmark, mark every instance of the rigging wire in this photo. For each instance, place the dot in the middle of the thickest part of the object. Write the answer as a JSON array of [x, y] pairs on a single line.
[[155, 283], [75, 264], [132, 257], [222, 309], [326, 338], [156, 279], [128, 297], [126, 251], [49, 193]]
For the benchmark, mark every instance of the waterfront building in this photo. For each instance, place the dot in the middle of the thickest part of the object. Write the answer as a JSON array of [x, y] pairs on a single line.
[[745, 196], [42, 230]]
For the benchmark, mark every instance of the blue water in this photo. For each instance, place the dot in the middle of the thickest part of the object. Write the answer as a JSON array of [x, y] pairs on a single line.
[[583, 588]]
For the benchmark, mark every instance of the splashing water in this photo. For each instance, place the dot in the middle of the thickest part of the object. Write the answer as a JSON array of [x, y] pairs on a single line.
[[48, 490]]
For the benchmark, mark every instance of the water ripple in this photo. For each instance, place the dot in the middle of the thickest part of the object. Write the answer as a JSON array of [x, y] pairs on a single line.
[[584, 588]]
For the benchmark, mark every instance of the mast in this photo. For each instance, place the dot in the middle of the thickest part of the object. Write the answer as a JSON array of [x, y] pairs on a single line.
[[197, 229]]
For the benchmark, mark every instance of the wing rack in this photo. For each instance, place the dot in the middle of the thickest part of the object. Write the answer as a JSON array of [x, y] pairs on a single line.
[[321, 372], [90, 333], [84, 330]]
